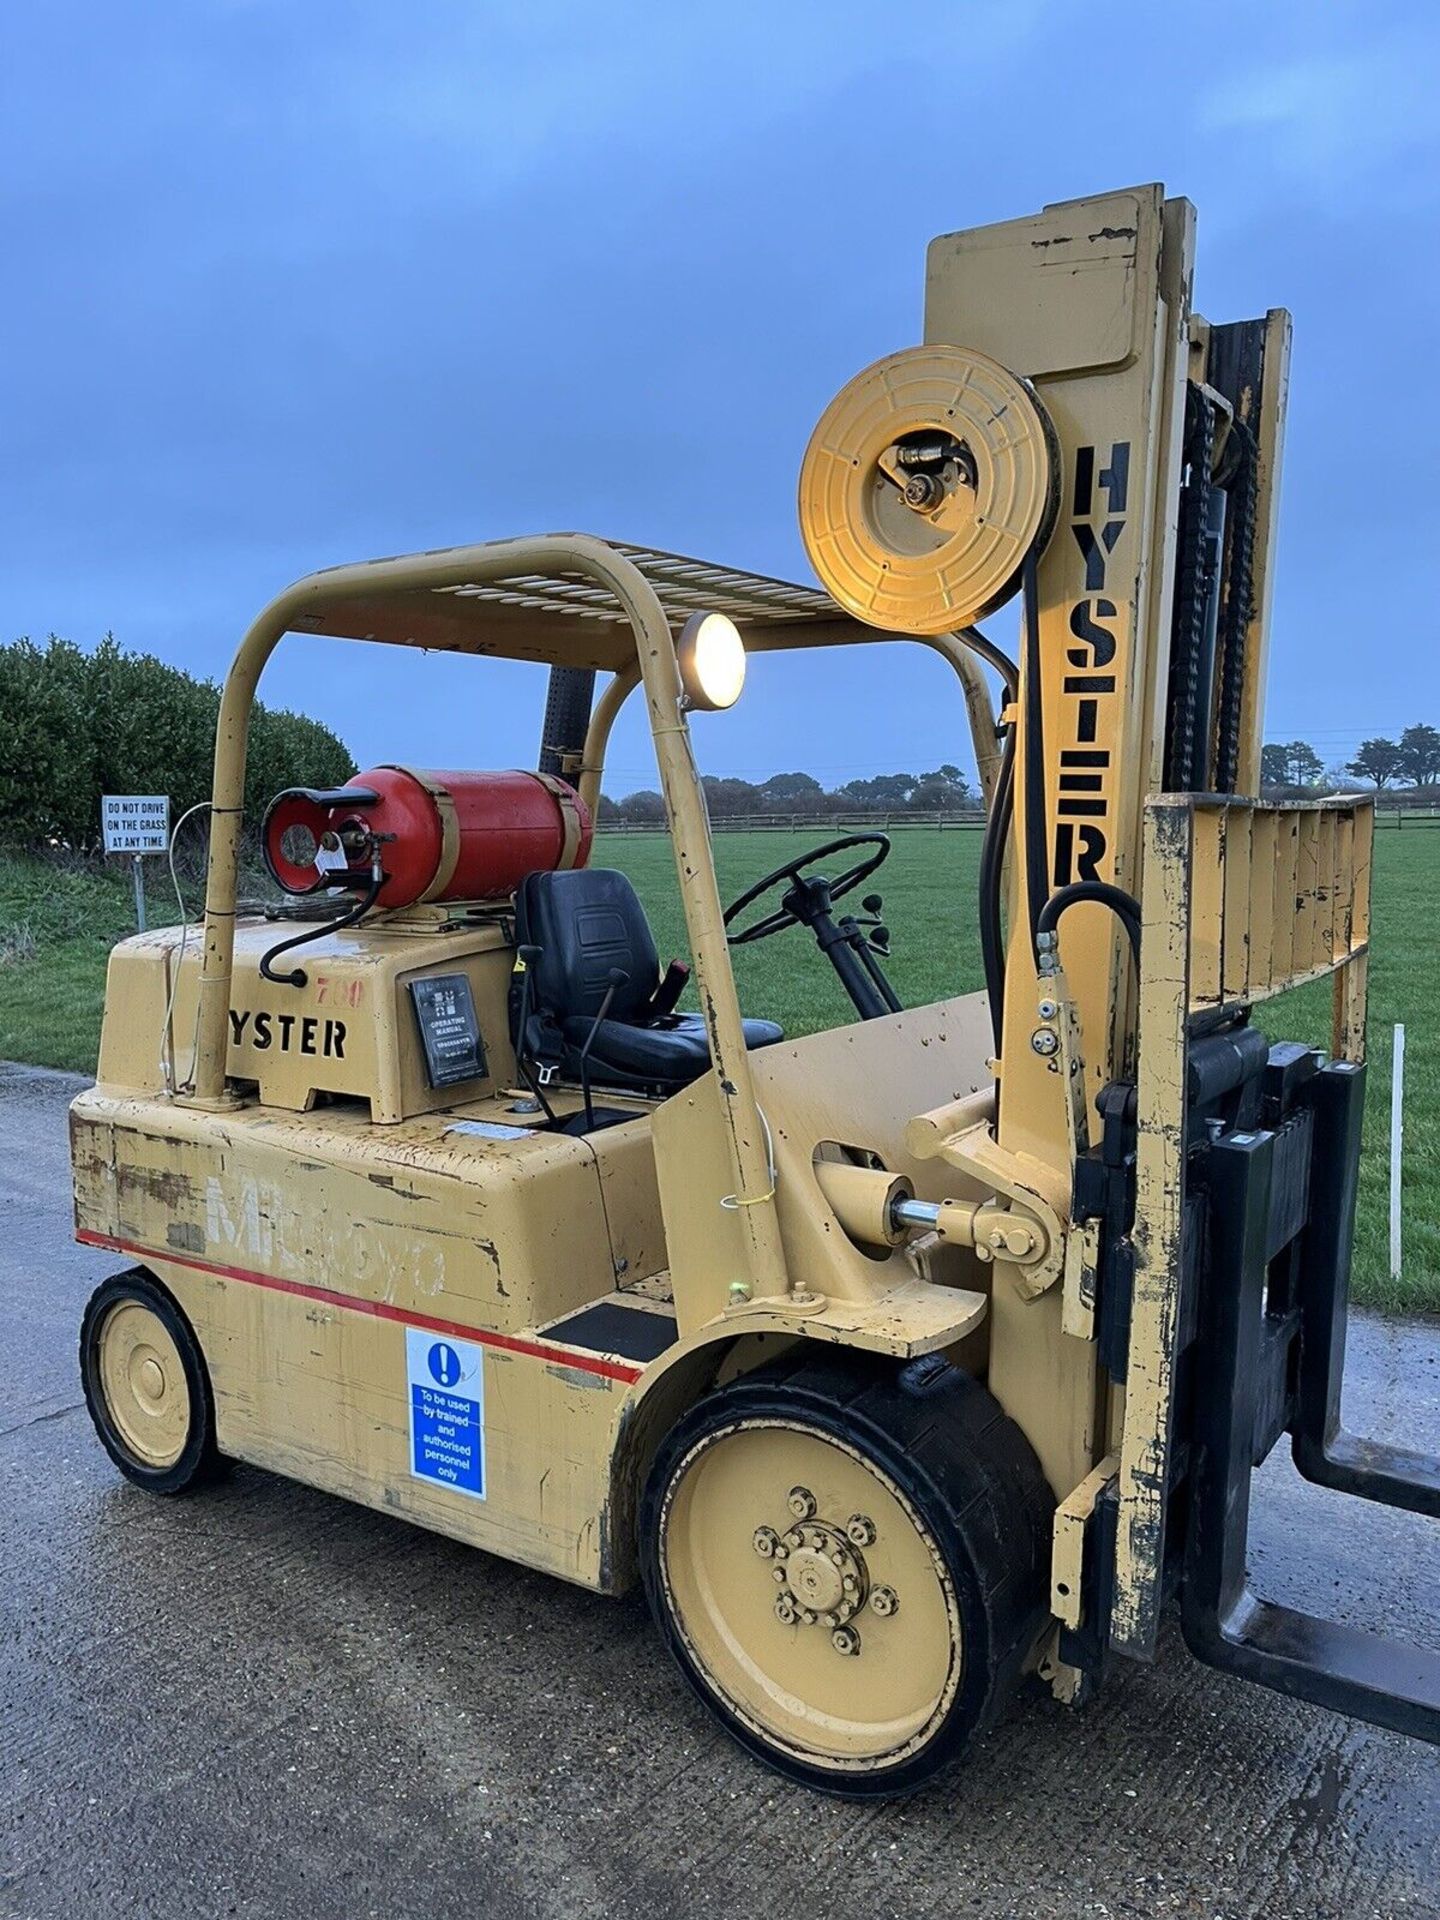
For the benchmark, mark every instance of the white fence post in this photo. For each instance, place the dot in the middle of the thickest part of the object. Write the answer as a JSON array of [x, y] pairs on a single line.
[[1397, 1145]]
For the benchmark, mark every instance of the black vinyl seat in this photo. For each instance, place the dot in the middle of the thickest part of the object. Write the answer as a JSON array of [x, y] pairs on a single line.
[[588, 924]]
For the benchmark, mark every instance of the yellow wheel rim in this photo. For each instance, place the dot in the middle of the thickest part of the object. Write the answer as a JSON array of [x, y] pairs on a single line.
[[810, 1594], [143, 1380]]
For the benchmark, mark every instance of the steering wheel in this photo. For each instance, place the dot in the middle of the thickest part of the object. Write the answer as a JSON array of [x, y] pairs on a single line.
[[782, 917]]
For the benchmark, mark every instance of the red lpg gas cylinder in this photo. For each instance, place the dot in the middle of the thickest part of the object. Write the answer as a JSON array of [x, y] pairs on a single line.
[[438, 836]]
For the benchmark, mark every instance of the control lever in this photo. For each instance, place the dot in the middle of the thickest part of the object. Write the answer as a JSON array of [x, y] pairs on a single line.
[[879, 940], [852, 931], [616, 978], [529, 958]]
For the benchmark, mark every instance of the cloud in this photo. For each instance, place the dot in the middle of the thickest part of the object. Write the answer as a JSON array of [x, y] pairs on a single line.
[[1337, 118]]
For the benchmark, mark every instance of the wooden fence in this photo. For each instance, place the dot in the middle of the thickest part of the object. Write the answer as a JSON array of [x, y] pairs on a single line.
[[972, 818], [838, 823]]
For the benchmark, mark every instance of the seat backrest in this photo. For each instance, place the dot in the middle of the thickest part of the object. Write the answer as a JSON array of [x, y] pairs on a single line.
[[586, 922]]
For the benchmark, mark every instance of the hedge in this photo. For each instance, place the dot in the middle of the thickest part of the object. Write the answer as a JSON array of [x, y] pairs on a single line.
[[75, 725]]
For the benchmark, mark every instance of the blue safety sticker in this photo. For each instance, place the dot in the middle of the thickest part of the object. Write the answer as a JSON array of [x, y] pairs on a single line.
[[447, 1410]]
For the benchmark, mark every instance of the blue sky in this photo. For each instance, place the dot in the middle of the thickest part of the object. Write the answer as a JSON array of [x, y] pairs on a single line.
[[299, 283]]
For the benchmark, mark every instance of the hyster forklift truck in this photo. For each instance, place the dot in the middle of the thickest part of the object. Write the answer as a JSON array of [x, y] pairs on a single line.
[[904, 1362]]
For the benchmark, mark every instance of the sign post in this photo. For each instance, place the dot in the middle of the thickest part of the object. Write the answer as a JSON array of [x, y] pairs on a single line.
[[137, 824]]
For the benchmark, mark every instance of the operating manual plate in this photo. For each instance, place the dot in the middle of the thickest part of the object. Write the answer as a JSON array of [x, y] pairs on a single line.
[[449, 1030]]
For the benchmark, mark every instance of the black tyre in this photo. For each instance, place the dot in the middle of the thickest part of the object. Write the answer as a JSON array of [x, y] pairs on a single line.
[[146, 1385], [849, 1562]]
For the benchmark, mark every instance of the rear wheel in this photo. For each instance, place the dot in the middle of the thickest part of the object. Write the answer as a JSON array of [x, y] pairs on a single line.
[[849, 1563], [146, 1386]]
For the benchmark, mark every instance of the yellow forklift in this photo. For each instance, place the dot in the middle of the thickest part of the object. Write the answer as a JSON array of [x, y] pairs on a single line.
[[904, 1362]]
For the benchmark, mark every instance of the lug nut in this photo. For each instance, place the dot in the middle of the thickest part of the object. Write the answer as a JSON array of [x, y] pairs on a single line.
[[794, 1539], [884, 1601], [860, 1530], [765, 1540], [845, 1640], [802, 1504], [779, 1576]]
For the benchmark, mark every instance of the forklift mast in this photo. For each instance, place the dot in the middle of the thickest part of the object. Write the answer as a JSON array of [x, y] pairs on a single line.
[[1122, 454]]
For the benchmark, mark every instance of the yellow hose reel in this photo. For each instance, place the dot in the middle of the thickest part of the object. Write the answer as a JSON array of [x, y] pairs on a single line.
[[929, 480]]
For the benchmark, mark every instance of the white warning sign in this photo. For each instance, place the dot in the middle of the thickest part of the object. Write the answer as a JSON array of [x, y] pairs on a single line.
[[135, 822]]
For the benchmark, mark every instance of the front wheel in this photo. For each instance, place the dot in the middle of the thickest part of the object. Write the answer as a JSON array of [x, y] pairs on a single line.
[[146, 1385], [849, 1562]]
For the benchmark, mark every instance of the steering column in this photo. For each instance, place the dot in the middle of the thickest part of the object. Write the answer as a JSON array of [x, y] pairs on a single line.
[[850, 944]]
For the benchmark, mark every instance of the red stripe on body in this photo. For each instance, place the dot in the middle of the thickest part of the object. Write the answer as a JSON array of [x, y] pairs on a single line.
[[379, 1309]]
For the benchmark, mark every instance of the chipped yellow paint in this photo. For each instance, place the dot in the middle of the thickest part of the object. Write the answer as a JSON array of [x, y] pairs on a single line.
[[348, 1032], [1090, 299], [503, 1235], [1208, 891], [1280, 895], [1159, 1214], [1299, 919], [1068, 1567], [1236, 936]]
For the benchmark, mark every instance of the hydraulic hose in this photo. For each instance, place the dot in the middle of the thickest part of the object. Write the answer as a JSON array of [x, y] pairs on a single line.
[[297, 975], [993, 656], [992, 886], [1124, 905], [1037, 835], [997, 832]]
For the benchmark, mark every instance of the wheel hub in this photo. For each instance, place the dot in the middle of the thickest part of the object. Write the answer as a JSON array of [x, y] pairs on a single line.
[[768, 1527], [822, 1580], [142, 1381]]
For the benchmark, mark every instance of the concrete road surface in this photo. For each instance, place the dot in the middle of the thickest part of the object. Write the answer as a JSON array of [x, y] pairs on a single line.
[[264, 1701]]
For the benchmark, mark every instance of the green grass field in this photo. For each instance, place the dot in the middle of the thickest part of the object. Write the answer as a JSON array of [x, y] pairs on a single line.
[[57, 925]]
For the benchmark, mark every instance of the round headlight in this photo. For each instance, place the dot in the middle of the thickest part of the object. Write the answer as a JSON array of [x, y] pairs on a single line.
[[711, 656]]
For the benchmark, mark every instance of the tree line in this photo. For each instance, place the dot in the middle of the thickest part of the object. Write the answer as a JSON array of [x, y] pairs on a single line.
[[945, 790], [1290, 768], [1411, 761], [76, 725]]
